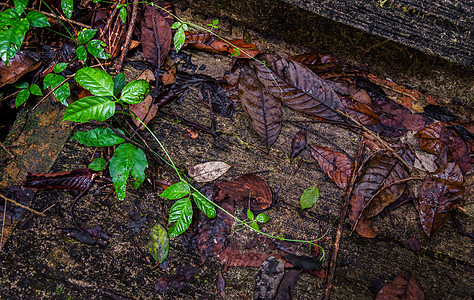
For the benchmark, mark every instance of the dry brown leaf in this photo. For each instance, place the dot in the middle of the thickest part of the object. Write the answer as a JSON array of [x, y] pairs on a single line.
[[208, 171]]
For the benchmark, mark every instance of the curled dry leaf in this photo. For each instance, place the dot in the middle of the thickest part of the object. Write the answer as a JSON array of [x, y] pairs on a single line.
[[245, 187], [440, 193], [263, 109], [334, 164], [298, 87], [78, 179], [298, 143], [403, 287], [208, 171]]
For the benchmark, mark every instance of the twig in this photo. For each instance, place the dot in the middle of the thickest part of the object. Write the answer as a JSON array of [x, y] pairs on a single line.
[[11, 155], [109, 22], [23, 206], [52, 90], [3, 224], [62, 18], [342, 217], [129, 36]]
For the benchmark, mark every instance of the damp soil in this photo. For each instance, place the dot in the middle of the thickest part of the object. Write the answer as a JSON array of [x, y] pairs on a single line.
[[40, 260]]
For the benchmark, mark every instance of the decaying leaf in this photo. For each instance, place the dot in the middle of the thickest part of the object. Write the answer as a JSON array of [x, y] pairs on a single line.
[[287, 285], [268, 278], [263, 109], [215, 94], [78, 179], [208, 171], [360, 111], [440, 193], [334, 164], [298, 144], [403, 287], [155, 36], [144, 110], [247, 187], [432, 137], [298, 87], [20, 64]]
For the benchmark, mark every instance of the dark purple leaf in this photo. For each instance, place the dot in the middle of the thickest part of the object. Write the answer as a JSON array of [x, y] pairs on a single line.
[[298, 144], [287, 285], [78, 179], [307, 263], [438, 112]]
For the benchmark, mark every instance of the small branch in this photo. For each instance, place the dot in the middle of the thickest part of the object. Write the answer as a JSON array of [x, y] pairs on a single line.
[[23, 206], [62, 18], [109, 23], [9, 153], [3, 224], [342, 217], [129, 36]]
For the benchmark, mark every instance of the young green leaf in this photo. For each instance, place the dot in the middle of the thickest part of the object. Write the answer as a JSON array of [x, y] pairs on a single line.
[[85, 35], [67, 6], [255, 226], [98, 137], [119, 83], [262, 218], [21, 85], [59, 67], [179, 38], [158, 243], [97, 164], [20, 5], [90, 108], [63, 91], [181, 214], [81, 53], [21, 97], [96, 48], [250, 214], [12, 38], [47, 80], [135, 91], [309, 197], [123, 14], [204, 204], [128, 160], [37, 19], [176, 25], [176, 191], [96, 81], [35, 90]]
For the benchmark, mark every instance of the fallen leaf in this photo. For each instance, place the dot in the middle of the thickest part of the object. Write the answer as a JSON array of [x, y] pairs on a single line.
[[307, 263], [440, 193], [78, 179], [144, 110], [287, 285], [221, 285], [155, 36], [215, 94], [268, 278], [412, 244], [365, 229], [246, 187], [208, 171], [432, 137], [263, 109], [298, 144], [23, 62], [334, 164], [438, 112], [402, 287], [360, 111]]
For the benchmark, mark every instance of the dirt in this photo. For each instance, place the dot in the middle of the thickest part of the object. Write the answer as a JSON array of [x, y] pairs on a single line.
[[40, 261]]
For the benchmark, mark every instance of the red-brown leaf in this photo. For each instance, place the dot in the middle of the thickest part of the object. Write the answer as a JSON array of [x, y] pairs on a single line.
[[247, 187], [440, 193], [298, 143], [155, 36], [334, 164], [360, 111], [298, 87], [78, 179], [20, 64], [432, 137], [403, 287], [263, 109]]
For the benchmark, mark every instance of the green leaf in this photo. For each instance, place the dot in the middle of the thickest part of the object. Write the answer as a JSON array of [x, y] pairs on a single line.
[[250, 214], [98, 137], [59, 67], [67, 6], [235, 53], [262, 218], [97, 164], [176, 191], [96, 48], [135, 91], [47, 80], [128, 160], [181, 214], [21, 97], [35, 90], [176, 25], [123, 14], [8, 17], [309, 197], [90, 108], [204, 204], [12, 38], [255, 226], [20, 5], [63, 91], [21, 85], [158, 243], [96, 81], [85, 35], [81, 53], [119, 83], [179, 38], [37, 19]]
